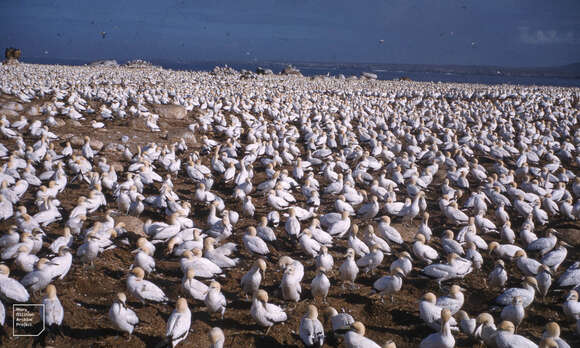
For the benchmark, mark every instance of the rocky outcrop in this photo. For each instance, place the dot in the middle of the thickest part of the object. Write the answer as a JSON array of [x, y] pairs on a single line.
[[132, 224], [262, 71], [369, 76], [224, 70], [139, 64], [12, 55], [170, 111], [105, 62], [290, 70]]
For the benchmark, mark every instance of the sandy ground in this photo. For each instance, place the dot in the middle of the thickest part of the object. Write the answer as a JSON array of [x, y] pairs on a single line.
[[87, 294]]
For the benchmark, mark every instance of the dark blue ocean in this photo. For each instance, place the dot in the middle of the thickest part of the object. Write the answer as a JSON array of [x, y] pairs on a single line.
[[387, 74]]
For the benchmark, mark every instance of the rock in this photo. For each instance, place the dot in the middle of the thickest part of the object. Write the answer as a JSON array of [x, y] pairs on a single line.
[[75, 123], [370, 76], [77, 140], [8, 112], [290, 70], [262, 71], [118, 166], [97, 144], [138, 63], [105, 62], [111, 147], [132, 224], [13, 106], [163, 125], [33, 111], [186, 134], [59, 122], [170, 111], [12, 55]]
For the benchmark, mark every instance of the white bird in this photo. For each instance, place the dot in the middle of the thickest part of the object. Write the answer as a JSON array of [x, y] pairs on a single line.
[[389, 232], [255, 244], [454, 301], [204, 267], [355, 338], [422, 251], [251, 281], [144, 290], [404, 262], [339, 321], [215, 301], [455, 267], [196, 289], [11, 289], [264, 313], [554, 258], [466, 324], [348, 271], [123, 317], [359, 247], [311, 330], [310, 246], [571, 276], [290, 285], [442, 339], [528, 266], [216, 338], [320, 285], [505, 337], [144, 259], [219, 256], [324, 259], [39, 278], [526, 292], [52, 311], [498, 276], [178, 323], [389, 284], [514, 312], [571, 306], [552, 331], [372, 260]]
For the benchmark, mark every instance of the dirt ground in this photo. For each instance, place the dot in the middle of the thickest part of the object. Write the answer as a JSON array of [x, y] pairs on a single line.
[[87, 294]]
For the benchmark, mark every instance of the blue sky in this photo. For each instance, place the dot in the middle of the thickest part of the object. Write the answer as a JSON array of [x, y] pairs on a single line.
[[485, 32]]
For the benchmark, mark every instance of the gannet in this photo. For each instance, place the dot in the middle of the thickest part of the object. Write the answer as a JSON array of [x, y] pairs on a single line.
[[264, 313], [215, 301], [348, 271], [442, 339], [505, 337], [122, 316], [178, 323], [11, 289], [355, 337], [311, 329], [216, 337], [526, 292], [143, 289]]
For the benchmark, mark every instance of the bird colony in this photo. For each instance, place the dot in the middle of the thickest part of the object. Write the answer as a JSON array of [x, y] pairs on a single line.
[[286, 211]]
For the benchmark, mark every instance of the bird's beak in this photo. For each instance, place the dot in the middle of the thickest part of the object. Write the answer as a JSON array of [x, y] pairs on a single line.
[[477, 332]]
